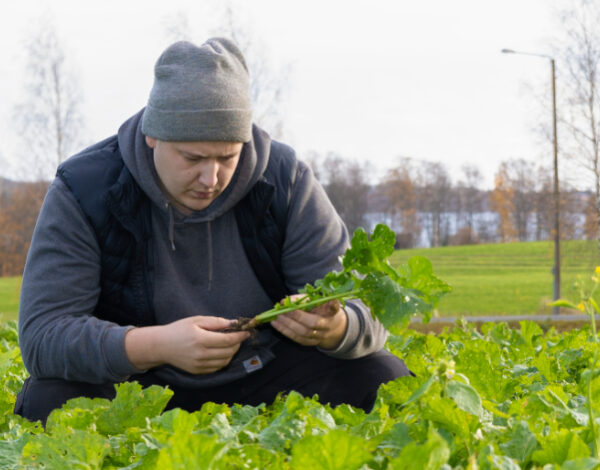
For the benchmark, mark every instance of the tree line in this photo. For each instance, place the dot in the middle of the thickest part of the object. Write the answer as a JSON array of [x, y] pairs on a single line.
[[419, 200]]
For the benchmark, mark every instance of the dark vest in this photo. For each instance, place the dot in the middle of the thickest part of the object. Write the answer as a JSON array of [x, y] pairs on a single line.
[[119, 212]]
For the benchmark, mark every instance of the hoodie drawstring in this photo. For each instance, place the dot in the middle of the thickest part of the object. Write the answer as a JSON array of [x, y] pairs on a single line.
[[210, 255], [171, 227]]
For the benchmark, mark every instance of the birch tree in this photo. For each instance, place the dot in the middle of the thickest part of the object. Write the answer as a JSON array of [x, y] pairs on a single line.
[[580, 106], [48, 120]]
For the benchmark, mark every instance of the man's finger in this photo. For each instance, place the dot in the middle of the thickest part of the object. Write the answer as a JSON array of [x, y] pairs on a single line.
[[211, 323], [296, 332], [309, 319]]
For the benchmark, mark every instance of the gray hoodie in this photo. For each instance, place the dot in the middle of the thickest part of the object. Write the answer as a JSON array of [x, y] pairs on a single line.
[[200, 269]]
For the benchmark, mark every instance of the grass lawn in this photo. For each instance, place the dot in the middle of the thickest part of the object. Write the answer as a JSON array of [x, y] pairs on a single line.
[[9, 297], [510, 278]]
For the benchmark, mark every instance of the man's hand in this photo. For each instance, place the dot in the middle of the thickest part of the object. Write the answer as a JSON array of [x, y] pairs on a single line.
[[324, 326], [192, 344]]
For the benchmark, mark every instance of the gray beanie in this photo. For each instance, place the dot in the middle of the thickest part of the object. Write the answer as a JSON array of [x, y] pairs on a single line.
[[200, 94]]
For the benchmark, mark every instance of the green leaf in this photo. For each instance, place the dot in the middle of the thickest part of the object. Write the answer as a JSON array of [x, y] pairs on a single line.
[[465, 397], [586, 463], [431, 455], [529, 331], [190, 451], [73, 449], [391, 303], [336, 450], [488, 460], [348, 415], [365, 256], [132, 406], [298, 416], [446, 415], [521, 444], [78, 413], [253, 456], [422, 390], [563, 303], [10, 452], [560, 447], [395, 439]]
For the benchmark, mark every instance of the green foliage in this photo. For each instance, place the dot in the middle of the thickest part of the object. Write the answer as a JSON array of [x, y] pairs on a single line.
[[392, 295], [495, 399]]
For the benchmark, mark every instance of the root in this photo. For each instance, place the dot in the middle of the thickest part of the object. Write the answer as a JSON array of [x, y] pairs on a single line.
[[242, 324]]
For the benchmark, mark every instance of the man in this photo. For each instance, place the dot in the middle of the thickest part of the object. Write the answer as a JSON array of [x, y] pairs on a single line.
[[149, 243]]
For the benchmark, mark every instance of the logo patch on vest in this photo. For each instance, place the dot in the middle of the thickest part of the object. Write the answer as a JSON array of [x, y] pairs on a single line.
[[252, 364]]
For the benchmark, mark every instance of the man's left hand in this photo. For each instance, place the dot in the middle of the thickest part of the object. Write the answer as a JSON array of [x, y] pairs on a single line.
[[324, 326]]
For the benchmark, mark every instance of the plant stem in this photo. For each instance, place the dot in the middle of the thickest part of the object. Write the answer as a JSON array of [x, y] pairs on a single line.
[[590, 411], [301, 304]]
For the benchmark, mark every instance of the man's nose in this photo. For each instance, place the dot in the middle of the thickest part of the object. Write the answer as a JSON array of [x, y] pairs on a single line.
[[208, 173]]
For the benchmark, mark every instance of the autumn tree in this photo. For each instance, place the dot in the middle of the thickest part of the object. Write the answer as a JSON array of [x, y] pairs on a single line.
[[48, 120], [501, 201], [514, 198], [20, 204], [399, 186], [590, 228]]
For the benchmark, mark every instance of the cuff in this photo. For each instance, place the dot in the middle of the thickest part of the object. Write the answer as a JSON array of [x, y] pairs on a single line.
[[115, 355], [348, 342]]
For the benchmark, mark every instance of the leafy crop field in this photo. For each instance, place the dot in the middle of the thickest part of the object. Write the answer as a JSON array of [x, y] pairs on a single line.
[[495, 399], [510, 278]]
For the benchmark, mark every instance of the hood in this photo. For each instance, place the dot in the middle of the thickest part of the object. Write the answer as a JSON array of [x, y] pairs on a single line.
[[138, 158]]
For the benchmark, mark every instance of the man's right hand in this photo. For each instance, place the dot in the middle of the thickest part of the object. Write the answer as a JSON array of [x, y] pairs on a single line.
[[192, 344]]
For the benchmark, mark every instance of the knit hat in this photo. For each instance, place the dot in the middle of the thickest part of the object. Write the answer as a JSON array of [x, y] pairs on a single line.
[[200, 94]]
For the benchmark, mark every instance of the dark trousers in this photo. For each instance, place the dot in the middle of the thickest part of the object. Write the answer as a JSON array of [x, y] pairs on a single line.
[[299, 368]]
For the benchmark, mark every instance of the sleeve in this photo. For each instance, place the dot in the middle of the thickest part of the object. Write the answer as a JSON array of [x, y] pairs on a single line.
[[58, 334], [316, 238]]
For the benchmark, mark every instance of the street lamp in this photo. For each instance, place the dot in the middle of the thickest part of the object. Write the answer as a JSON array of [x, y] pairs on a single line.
[[556, 268]]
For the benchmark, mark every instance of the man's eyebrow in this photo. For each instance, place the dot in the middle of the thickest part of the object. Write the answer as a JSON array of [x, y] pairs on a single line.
[[200, 155]]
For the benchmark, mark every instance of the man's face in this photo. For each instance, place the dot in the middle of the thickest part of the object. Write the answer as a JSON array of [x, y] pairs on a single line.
[[193, 174]]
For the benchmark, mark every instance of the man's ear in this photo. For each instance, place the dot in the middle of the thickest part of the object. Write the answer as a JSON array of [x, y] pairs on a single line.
[[151, 142]]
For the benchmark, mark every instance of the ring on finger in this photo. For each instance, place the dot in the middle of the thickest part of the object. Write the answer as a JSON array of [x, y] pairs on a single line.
[[314, 334]]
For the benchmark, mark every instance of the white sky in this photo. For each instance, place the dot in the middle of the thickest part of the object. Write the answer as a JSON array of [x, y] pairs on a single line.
[[371, 80]]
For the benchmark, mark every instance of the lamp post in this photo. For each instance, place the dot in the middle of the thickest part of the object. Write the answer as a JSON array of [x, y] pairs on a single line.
[[556, 268]]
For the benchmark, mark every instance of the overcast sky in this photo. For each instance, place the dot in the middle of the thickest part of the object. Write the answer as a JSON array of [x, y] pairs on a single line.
[[370, 80]]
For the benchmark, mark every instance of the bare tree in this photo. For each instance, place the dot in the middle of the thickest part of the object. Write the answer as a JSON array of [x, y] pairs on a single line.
[[470, 196], [49, 121], [177, 27], [269, 84], [346, 185], [580, 107], [435, 200], [544, 204]]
